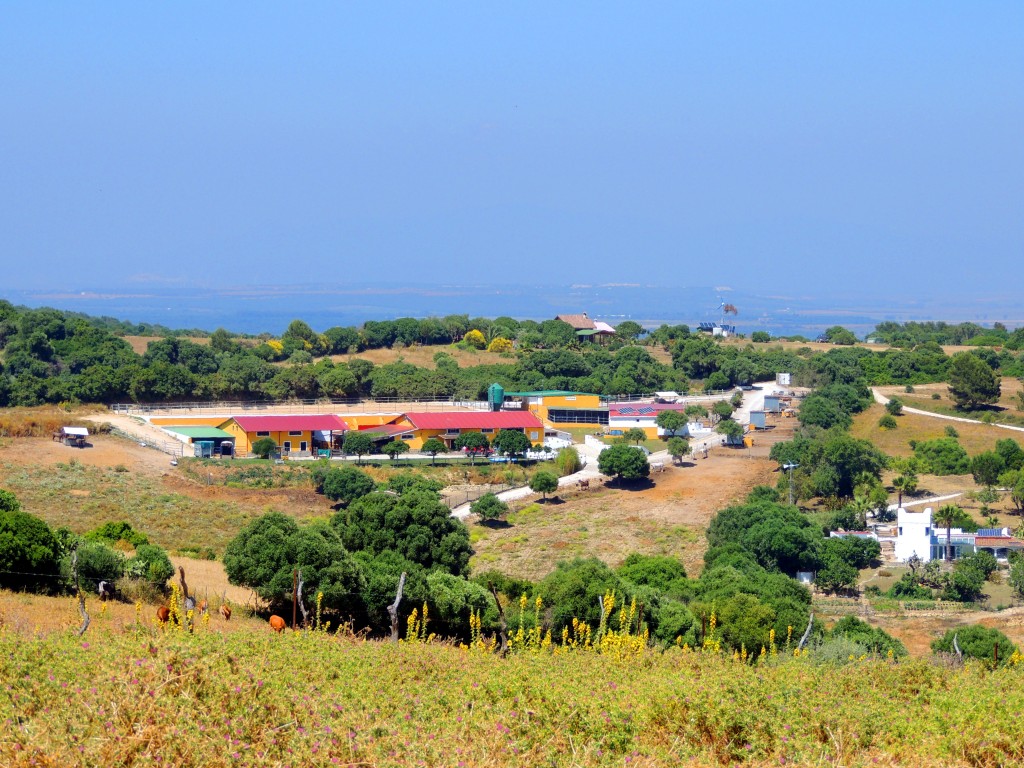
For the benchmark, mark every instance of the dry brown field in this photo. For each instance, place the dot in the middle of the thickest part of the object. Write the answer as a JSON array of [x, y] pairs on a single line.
[[975, 438], [424, 356], [140, 343]]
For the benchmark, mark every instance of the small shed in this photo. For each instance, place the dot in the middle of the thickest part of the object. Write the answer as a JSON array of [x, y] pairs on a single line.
[[772, 403], [206, 441], [758, 420], [74, 436], [784, 379]]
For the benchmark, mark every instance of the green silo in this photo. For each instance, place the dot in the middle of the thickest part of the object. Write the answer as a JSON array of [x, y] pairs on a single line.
[[495, 396]]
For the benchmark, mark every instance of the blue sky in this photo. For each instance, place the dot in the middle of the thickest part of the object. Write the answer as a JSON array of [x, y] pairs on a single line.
[[804, 148]]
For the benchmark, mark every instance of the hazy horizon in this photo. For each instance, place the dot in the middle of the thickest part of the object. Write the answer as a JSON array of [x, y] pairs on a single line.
[[794, 148]]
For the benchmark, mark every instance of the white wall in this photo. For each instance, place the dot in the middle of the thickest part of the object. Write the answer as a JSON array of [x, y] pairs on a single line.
[[913, 534]]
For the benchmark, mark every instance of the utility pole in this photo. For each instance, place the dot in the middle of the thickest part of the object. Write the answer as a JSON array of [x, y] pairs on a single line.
[[789, 466]]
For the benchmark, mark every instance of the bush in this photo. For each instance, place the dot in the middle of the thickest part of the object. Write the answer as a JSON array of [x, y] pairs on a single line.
[[96, 562], [894, 407], [264, 447], [28, 548], [887, 422], [152, 564], [112, 533], [977, 642], [936, 396], [943, 456], [346, 484], [489, 507], [544, 483], [567, 460], [877, 641]]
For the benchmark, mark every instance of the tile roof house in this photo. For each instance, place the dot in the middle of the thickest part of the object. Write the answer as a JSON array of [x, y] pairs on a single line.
[[298, 435], [448, 425]]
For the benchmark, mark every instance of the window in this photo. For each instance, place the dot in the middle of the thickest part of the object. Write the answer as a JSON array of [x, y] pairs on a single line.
[[287, 446], [295, 434], [262, 434], [407, 436], [570, 399], [489, 431], [303, 446]]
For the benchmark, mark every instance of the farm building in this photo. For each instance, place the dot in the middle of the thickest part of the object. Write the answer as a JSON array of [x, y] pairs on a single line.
[[623, 416], [587, 329], [560, 408], [206, 441], [448, 425], [294, 435]]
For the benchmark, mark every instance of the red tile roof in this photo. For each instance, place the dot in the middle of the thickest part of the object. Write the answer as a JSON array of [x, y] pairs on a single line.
[[998, 541], [579, 322], [320, 422], [475, 420]]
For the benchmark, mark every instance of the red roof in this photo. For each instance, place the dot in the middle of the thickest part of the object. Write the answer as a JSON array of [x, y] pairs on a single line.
[[998, 541], [475, 420], [319, 422]]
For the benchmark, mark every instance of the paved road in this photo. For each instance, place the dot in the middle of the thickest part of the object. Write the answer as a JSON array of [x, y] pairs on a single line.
[[880, 398]]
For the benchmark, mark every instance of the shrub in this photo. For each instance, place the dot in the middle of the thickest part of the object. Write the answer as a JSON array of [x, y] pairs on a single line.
[[894, 407], [150, 563], [112, 533], [346, 484], [936, 396], [544, 483], [887, 422], [96, 562], [976, 642], [264, 447], [950, 431], [28, 548], [489, 507], [943, 456], [567, 460]]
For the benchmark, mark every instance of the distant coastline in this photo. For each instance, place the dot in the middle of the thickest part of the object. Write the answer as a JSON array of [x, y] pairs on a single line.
[[269, 308]]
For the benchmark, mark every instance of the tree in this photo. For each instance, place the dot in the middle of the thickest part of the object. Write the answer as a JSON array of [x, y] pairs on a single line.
[[905, 482], [943, 456], [150, 562], [946, 516], [634, 435], [670, 421], [624, 462], [434, 446], [760, 337], [28, 548], [472, 443], [266, 552], [475, 339], [1017, 576], [346, 484], [511, 442], [414, 524], [488, 507], [972, 383], [841, 336], [357, 443], [544, 483], [987, 467], [731, 429], [395, 448], [264, 447], [678, 447], [723, 409], [629, 330], [96, 562], [894, 407]]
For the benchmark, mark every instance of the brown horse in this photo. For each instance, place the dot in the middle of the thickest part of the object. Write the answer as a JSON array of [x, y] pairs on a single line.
[[163, 614], [277, 624]]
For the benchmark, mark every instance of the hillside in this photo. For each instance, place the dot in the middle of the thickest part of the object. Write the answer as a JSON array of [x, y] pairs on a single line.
[[142, 696]]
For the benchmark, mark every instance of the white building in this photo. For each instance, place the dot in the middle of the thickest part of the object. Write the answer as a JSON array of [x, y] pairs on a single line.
[[914, 534]]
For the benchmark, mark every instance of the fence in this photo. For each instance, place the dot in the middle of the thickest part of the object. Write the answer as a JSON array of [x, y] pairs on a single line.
[[456, 498], [319, 405], [174, 449]]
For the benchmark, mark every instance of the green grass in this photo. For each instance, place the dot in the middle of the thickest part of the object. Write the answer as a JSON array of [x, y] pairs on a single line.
[[309, 699], [83, 497]]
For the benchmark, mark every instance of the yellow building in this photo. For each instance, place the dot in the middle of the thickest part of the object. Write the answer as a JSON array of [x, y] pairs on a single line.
[[559, 408], [294, 435]]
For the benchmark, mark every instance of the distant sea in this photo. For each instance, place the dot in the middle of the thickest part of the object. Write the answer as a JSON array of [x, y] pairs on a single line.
[[257, 309]]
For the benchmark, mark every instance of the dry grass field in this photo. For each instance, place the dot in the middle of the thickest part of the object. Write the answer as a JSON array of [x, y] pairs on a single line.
[[140, 343], [424, 356], [975, 438]]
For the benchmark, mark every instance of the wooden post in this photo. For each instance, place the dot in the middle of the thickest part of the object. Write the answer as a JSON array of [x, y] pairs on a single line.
[[393, 608], [81, 597], [302, 605], [295, 598], [807, 633], [188, 602], [502, 624]]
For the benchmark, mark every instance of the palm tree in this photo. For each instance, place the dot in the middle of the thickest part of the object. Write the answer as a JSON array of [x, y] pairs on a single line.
[[947, 515], [905, 483]]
